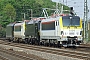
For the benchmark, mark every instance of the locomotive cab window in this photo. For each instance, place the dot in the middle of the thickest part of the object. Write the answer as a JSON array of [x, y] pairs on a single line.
[[48, 25], [17, 28], [71, 21]]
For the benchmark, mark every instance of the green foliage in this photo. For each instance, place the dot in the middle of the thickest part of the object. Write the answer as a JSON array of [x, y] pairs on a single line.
[[13, 10], [2, 32], [9, 12], [89, 35]]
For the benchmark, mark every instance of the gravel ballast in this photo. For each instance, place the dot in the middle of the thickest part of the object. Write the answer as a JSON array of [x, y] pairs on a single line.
[[43, 54]]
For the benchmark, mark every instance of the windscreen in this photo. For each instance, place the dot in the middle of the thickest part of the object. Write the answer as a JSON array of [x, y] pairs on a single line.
[[71, 21]]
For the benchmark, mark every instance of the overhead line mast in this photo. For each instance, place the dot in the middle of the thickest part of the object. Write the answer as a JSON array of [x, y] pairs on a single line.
[[85, 21]]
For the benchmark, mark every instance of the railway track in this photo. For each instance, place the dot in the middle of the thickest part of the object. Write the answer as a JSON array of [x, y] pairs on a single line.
[[3, 58], [76, 53], [15, 54], [83, 47]]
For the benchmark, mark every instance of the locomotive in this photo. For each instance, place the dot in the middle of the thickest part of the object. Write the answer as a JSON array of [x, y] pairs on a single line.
[[61, 30]]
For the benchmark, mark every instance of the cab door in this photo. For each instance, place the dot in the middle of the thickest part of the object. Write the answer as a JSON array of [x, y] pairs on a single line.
[[56, 27], [23, 30]]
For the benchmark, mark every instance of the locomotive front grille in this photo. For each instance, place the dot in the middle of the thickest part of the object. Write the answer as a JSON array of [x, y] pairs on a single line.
[[71, 33]]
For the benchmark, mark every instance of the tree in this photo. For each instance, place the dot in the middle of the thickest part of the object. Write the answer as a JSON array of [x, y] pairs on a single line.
[[9, 12], [13, 10]]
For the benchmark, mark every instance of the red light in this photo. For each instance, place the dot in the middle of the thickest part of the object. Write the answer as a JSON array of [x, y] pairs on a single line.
[[64, 15]]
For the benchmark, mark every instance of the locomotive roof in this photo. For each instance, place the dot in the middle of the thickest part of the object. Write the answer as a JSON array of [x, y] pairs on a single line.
[[11, 24], [18, 24], [50, 19], [33, 21]]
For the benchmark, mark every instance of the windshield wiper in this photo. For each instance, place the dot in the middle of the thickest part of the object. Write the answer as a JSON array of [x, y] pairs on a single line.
[[75, 26], [69, 25]]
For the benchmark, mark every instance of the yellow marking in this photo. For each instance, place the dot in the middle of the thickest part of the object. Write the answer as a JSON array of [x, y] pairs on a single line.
[[71, 27], [60, 22], [24, 25], [81, 23]]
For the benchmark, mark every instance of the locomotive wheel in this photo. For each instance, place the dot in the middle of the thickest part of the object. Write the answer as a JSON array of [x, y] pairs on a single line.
[[50, 44], [25, 41], [18, 41], [9, 40], [58, 44], [45, 44], [54, 44]]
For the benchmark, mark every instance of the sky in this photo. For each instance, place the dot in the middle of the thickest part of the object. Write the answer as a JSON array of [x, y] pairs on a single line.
[[78, 6]]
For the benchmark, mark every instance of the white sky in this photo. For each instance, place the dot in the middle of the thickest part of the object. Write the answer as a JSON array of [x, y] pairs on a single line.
[[78, 6]]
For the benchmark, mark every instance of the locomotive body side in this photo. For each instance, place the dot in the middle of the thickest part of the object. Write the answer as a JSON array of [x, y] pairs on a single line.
[[10, 31], [32, 32], [50, 31], [19, 30]]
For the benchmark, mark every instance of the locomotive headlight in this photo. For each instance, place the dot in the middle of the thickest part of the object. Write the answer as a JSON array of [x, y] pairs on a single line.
[[77, 33], [80, 32], [79, 38], [62, 32], [76, 38], [65, 33]]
